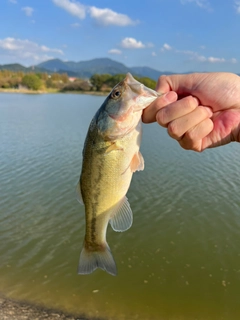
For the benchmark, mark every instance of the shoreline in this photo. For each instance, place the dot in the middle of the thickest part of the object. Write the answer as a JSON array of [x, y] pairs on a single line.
[[27, 91], [11, 309]]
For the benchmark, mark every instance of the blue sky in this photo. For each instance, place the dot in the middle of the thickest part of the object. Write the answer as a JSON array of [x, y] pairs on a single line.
[[167, 35]]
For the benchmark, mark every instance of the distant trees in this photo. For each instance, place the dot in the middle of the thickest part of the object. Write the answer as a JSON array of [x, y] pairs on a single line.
[[9, 79], [32, 81], [61, 82], [150, 83], [77, 85], [104, 82], [98, 80]]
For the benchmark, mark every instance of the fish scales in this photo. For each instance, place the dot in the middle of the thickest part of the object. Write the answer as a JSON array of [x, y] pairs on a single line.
[[110, 156]]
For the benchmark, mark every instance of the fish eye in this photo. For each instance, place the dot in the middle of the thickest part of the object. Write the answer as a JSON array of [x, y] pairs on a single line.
[[116, 94]]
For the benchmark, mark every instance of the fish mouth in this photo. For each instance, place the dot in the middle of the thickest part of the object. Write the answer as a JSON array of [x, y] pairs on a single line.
[[139, 87], [144, 95]]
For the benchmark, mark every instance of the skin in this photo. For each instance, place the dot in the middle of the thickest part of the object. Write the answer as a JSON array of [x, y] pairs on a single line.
[[199, 110]]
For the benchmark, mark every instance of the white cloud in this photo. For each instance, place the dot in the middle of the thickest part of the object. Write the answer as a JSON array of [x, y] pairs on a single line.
[[46, 49], [237, 6], [166, 47], [13, 1], [215, 60], [201, 58], [204, 4], [233, 60], [131, 43], [104, 17], [28, 11], [73, 7], [115, 51], [154, 54], [25, 51], [108, 17]]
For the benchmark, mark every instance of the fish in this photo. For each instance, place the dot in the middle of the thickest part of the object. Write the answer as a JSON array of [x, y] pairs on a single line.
[[110, 157]]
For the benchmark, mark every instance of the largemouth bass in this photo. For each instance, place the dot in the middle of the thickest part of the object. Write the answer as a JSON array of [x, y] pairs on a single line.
[[110, 156]]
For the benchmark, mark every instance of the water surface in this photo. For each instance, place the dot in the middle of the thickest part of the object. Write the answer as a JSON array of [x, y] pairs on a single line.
[[180, 259]]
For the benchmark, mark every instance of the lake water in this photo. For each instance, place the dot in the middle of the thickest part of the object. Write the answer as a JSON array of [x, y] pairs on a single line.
[[180, 259]]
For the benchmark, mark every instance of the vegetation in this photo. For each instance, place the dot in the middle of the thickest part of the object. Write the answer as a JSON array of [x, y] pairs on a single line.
[[32, 81], [62, 83], [104, 82]]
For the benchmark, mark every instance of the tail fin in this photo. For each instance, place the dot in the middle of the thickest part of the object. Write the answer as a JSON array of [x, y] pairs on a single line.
[[91, 260]]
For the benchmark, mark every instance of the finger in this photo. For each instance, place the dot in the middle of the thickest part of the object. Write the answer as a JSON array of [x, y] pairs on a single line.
[[194, 138], [176, 110], [149, 114], [179, 127], [181, 83]]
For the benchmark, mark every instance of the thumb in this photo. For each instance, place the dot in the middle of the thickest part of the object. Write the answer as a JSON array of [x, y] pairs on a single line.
[[182, 84]]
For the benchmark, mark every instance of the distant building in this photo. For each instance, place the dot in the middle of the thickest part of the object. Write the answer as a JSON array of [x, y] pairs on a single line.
[[72, 79]]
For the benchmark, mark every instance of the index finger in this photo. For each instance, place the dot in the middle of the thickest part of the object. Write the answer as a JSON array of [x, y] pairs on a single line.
[[149, 114]]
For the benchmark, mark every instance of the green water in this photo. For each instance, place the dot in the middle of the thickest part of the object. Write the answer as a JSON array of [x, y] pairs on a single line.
[[180, 259]]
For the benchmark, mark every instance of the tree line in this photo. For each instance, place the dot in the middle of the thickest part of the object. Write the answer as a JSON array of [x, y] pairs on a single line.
[[62, 82]]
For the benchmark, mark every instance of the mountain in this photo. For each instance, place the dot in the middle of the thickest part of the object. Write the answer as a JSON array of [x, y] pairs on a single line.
[[148, 72], [54, 65], [85, 69], [15, 67]]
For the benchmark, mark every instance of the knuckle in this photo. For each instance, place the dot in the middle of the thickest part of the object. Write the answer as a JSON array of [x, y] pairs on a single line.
[[173, 130], [161, 117], [190, 102], [191, 145], [197, 147], [189, 136], [202, 112], [163, 77]]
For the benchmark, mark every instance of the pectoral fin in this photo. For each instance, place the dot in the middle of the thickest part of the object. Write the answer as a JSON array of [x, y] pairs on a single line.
[[113, 146], [137, 163], [122, 217], [79, 193]]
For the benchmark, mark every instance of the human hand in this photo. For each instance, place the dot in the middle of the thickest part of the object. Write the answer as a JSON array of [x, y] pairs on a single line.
[[207, 112]]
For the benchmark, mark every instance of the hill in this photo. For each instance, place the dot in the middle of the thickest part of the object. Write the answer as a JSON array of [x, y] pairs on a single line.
[[15, 67], [85, 69]]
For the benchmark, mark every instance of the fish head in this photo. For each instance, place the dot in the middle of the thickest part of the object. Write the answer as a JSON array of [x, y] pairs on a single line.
[[122, 110]]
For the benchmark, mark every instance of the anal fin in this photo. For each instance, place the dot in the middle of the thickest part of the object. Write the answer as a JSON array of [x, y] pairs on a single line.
[[122, 217]]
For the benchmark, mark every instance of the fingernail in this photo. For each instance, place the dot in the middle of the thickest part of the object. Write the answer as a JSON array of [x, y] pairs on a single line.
[[171, 96], [197, 101]]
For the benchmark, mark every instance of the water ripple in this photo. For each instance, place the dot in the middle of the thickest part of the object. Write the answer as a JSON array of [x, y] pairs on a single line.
[[184, 241]]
